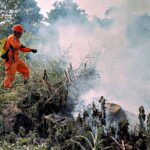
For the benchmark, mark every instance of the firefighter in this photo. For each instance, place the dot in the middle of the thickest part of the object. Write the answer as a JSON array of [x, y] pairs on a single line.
[[12, 62]]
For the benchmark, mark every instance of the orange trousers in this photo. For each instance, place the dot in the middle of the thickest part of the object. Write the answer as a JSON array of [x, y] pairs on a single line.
[[10, 71]]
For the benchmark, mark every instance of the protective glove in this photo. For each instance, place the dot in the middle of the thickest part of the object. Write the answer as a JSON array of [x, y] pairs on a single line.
[[34, 50]]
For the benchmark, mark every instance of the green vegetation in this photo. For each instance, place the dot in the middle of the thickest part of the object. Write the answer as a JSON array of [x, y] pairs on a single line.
[[38, 116], [24, 12]]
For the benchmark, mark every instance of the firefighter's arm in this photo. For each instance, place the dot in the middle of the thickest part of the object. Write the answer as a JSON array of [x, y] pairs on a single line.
[[26, 49]]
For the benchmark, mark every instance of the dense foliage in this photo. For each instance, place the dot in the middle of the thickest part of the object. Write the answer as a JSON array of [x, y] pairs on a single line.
[[66, 10], [25, 12]]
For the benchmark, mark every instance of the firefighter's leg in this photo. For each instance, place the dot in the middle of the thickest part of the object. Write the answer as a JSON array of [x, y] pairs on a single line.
[[10, 70], [23, 69]]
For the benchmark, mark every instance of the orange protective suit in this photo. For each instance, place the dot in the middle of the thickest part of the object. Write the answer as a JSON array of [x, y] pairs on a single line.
[[14, 64]]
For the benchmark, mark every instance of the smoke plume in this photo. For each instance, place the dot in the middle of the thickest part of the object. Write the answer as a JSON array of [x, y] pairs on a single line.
[[123, 63]]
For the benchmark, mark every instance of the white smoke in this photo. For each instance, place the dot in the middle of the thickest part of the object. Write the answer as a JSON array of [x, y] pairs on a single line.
[[124, 67], [124, 76]]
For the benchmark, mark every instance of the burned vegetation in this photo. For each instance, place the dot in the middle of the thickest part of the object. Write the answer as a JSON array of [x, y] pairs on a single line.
[[39, 116], [45, 101]]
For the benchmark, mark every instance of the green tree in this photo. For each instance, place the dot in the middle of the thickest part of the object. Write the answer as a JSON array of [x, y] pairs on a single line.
[[5, 23], [25, 12], [7, 12], [66, 10], [28, 14]]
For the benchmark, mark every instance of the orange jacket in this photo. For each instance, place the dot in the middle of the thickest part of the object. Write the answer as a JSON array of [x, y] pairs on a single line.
[[17, 46]]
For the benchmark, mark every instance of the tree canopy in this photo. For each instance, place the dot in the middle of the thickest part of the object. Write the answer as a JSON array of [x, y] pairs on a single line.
[[66, 10], [25, 12]]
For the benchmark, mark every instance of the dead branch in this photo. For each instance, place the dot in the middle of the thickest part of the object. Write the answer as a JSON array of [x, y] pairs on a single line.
[[56, 90], [45, 76], [123, 146], [116, 142]]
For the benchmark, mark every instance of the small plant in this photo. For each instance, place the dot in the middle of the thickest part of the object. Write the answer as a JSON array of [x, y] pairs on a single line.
[[142, 118], [96, 142], [148, 131]]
